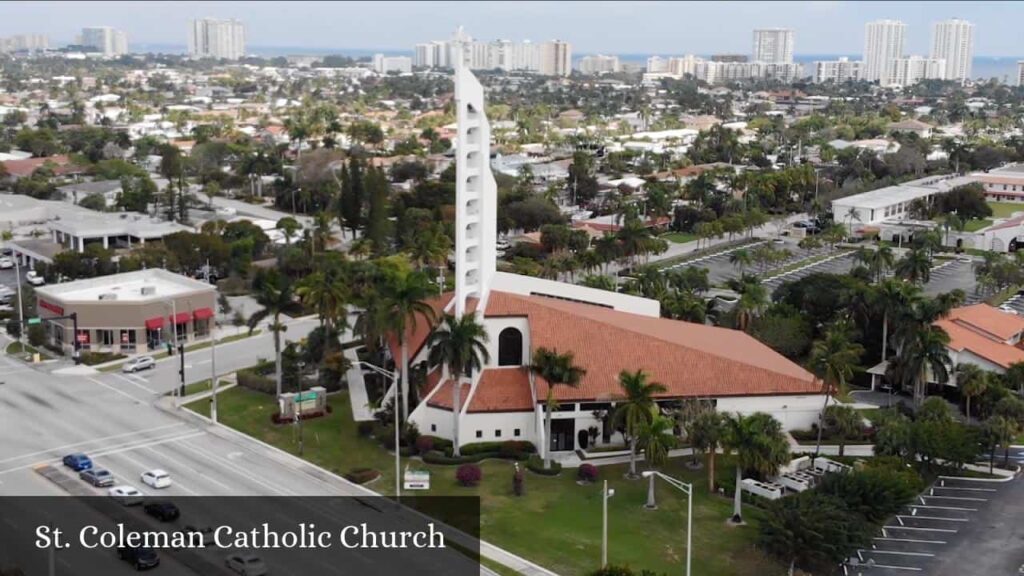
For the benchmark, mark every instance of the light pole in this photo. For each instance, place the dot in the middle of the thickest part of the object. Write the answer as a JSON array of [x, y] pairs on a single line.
[[21, 304], [688, 490], [213, 369], [605, 495], [398, 455], [298, 410]]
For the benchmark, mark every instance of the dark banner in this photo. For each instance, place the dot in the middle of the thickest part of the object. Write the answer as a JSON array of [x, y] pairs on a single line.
[[93, 536]]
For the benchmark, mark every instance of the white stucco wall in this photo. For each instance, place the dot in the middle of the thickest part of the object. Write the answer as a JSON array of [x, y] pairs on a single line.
[[488, 424], [526, 285], [494, 327], [794, 412]]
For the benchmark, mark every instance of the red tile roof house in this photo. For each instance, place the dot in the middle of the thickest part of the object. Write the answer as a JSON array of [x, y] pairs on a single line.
[[607, 332]]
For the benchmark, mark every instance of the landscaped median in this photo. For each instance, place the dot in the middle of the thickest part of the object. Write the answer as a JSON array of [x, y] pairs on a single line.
[[557, 521]]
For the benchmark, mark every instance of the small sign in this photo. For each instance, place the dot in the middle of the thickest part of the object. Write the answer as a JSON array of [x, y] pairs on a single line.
[[36, 320], [417, 480], [83, 338]]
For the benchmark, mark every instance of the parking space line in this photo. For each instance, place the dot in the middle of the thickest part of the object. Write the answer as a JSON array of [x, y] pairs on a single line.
[[910, 540], [915, 517], [965, 498], [911, 568], [934, 488], [958, 509], [919, 529], [897, 553]]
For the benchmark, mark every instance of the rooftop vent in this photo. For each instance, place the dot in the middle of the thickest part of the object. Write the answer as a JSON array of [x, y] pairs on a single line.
[[148, 290], [108, 296]]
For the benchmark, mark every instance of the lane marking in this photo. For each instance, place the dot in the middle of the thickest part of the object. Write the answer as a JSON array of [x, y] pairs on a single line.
[[144, 467], [116, 449], [102, 438], [119, 391], [134, 383], [148, 444], [163, 455], [886, 566], [247, 474]]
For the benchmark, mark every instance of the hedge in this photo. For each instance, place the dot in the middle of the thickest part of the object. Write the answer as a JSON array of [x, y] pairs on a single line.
[[536, 465], [362, 475], [253, 381], [510, 447], [94, 358]]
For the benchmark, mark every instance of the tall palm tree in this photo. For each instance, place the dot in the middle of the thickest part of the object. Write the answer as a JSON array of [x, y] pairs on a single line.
[[844, 421], [705, 433], [834, 359], [635, 409], [460, 346], [880, 262], [753, 299], [925, 351], [760, 446], [893, 298], [656, 439], [274, 293], [915, 267], [405, 297], [740, 259], [557, 370], [972, 381], [326, 292]]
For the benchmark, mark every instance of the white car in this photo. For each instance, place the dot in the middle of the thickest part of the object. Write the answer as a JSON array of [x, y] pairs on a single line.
[[126, 495], [156, 478], [6, 263], [34, 278], [246, 564], [140, 363]]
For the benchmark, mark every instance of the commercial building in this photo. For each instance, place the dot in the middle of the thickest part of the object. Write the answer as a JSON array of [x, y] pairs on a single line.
[[838, 71], [212, 38], [386, 64], [104, 39], [599, 64], [773, 45], [891, 202], [1004, 184], [721, 72], [883, 45], [127, 313], [606, 331], [953, 41]]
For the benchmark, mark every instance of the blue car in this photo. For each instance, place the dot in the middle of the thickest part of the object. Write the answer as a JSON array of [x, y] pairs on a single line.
[[77, 462]]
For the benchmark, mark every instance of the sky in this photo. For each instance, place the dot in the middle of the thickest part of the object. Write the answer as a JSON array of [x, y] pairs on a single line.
[[821, 27]]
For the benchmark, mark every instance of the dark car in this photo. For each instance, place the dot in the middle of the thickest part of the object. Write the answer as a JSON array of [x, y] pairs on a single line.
[[77, 462], [140, 558], [97, 477], [163, 511]]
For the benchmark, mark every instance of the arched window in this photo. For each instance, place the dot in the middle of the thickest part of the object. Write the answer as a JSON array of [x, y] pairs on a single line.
[[510, 347]]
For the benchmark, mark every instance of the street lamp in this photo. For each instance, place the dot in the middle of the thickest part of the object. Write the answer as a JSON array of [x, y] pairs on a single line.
[[688, 490], [298, 411], [605, 495], [398, 455]]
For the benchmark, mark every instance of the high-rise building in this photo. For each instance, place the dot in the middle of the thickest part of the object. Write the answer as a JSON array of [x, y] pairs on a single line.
[[386, 64], [105, 39], [555, 58], [599, 64], [1020, 73], [211, 38], [730, 58], [953, 41], [773, 45], [26, 42], [837, 71], [883, 45], [912, 69], [657, 65]]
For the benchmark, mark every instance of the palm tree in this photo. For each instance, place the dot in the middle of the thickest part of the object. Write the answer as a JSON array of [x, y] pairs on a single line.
[[326, 292], [915, 267], [973, 381], [834, 359], [925, 350], [656, 439], [880, 262], [892, 298], [844, 421], [636, 408], [740, 259], [460, 346], [405, 297], [753, 299], [705, 433], [274, 294], [557, 370], [760, 446]]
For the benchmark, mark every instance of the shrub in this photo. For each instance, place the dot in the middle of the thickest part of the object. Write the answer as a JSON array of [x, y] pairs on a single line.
[[36, 335], [424, 444], [536, 465], [365, 429], [469, 475], [509, 449], [94, 358], [436, 457], [518, 482], [254, 381], [13, 328], [362, 475], [587, 472], [874, 493]]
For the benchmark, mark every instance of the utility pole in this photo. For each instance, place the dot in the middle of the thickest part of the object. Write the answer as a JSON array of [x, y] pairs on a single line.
[[21, 304], [213, 370]]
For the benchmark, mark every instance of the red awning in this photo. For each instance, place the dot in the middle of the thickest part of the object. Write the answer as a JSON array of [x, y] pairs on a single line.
[[180, 318], [202, 314], [154, 323]]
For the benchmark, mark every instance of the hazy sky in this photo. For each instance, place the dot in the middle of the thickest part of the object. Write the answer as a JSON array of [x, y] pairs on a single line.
[[822, 27]]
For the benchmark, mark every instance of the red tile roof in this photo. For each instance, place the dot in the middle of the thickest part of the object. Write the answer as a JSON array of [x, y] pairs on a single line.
[[22, 168], [689, 359], [986, 318], [983, 331]]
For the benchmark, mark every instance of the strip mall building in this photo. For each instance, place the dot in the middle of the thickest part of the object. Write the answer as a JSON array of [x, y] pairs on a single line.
[[127, 313]]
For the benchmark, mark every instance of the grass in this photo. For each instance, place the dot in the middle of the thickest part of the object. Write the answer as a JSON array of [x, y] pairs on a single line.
[[1005, 209], [22, 348], [679, 237], [975, 225], [201, 386], [558, 522]]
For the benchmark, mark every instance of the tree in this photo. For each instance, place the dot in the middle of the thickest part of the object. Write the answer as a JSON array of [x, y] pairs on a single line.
[[740, 259], [656, 439], [405, 295], [377, 217], [288, 226], [705, 433], [915, 267], [635, 409], [925, 350], [812, 531], [844, 422], [972, 382], [350, 203], [274, 295], [556, 370], [760, 446], [460, 346]]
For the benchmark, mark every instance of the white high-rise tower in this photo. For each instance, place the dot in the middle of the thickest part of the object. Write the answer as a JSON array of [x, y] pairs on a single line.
[[953, 41], [883, 45], [773, 45], [476, 193]]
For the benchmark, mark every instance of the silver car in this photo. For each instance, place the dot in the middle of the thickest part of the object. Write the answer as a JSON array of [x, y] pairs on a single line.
[[139, 363]]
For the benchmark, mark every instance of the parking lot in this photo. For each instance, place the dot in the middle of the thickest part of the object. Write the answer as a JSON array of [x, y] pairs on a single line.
[[839, 263], [956, 527], [951, 275]]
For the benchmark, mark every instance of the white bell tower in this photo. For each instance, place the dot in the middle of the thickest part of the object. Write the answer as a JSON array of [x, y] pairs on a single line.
[[476, 193]]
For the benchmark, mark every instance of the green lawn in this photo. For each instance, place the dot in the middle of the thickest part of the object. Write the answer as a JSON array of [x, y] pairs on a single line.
[[558, 522], [20, 347], [197, 387], [975, 225], [1005, 209], [679, 237]]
